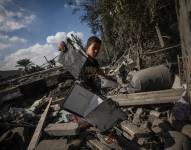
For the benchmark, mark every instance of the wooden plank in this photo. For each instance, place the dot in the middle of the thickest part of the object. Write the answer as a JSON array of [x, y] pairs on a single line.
[[39, 72], [58, 101], [162, 49], [179, 69], [159, 36], [37, 133], [145, 98]]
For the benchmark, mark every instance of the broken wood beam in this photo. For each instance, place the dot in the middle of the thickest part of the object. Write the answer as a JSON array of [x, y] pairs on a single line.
[[147, 98], [161, 49], [159, 36], [58, 101], [37, 133], [38, 73]]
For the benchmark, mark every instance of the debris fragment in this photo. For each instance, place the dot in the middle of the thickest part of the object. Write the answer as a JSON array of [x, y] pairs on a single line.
[[62, 129]]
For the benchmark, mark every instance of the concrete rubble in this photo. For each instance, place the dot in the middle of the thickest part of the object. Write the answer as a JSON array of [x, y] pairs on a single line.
[[158, 119], [62, 129], [153, 118]]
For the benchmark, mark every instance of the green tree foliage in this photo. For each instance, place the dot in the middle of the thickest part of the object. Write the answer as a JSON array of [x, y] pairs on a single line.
[[27, 66], [25, 63], [129, 25]]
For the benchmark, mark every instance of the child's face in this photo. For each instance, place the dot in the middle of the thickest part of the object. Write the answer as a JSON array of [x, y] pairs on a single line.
[[93, 49]]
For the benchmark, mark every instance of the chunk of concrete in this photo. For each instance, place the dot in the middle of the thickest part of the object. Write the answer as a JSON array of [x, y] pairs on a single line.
[[59, 144], [148, 98], [136, 118], [132, 131], [9, 94], [62, 129]]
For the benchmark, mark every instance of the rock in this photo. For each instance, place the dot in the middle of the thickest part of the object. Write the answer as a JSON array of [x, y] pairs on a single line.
[[153, 115], [62, 129], [136, 118]]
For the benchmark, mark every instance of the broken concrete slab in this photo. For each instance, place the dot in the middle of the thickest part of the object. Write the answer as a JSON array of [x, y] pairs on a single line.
[[146, 98], [39, 73], [62, 129], [133, 131], [60, 144], [10, 94]]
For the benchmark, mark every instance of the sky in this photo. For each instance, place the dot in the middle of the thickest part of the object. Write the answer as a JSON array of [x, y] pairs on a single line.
[[33, 28]]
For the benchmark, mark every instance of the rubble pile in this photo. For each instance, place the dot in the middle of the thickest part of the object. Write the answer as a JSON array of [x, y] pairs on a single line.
[[154, 120], [53, 110]]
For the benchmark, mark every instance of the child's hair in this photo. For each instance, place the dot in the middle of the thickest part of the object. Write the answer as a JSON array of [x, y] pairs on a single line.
[[93, 39]]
